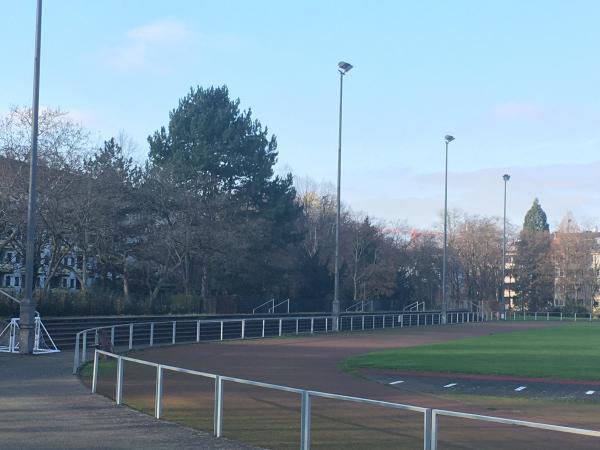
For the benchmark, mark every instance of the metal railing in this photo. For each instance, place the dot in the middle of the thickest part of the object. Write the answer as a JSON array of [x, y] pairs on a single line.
[[149, 334], [548, 316], [430, 415], [415, 306]]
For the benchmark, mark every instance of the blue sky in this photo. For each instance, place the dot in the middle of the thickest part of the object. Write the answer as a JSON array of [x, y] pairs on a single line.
[[516, 83]]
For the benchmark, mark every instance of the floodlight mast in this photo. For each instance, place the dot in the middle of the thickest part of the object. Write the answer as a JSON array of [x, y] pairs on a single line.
[[27, 310], [447, 139], [343, 68]]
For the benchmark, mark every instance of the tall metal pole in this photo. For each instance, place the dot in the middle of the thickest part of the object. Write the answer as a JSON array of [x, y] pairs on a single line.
[[506, 303], [444, 305], [336, 284], [447, 140], [27, 311]]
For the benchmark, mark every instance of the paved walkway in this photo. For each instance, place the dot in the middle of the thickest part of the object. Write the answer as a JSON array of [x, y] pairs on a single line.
[[43, 406]]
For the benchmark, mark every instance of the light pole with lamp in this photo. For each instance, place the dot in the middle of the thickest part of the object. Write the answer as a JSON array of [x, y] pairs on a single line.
[[506, 303], [27, 308], [343, 68], [447, 140]]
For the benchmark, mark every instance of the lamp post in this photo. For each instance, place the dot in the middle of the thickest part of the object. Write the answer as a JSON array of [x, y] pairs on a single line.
[[343, 68], [447, 140], [27, 310], [506, 303]]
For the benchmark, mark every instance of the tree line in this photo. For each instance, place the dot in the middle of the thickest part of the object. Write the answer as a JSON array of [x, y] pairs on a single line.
[[204, 225]]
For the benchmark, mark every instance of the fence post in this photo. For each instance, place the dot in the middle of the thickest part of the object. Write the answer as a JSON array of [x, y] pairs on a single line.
[[198, 331], [159, 386], [76, 355], [561, 316], [263, 328], [280, 326], [363, 322], [243, 328], [305, 421], [151, 334], [96, 340], [434, 431], [218, 418], [383, 322], [547, 316], [112, 336], [84, 349], [401, 320], [312, 325], [297, 325], [351, 323], [130, 336], [427, 427], [535, 316], [221, 330], [575, 317], [119, 393], [95, 372], [326, 323], [174, 332], [590, 317]]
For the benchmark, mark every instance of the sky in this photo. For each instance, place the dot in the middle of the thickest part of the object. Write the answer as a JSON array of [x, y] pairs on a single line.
[[517, 84]]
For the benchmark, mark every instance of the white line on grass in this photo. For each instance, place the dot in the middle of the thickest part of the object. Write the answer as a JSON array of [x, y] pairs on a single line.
[[451, 385], [397, 382], [520, 388], [589, 392]]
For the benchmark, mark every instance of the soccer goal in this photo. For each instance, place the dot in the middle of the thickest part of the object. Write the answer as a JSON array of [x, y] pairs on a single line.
[[9, 338]]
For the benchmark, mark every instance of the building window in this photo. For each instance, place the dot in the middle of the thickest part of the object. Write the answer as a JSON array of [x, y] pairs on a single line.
[[64, 282], [72, 283], [17, 281], [7, 280]]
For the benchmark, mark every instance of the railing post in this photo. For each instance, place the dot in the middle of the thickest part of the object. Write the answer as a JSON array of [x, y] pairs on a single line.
[[434, 431], [119, 393], [151, 334], [130, 336], [590, 317], [243, 328], [547, 316], [363, 322], [401, 317], [84, 349], [351, 323], [575, 317], [312, 325], [159, 388], [535, 316], [393, 321], [305, 421], [280, 326], [383, 322], [198, 331], [561, 316], [263, 328], [428, 431], [96, 340], [221, 330], [112, 336], [218, 417], [326, 323], [95, 372], [373, 320], [174, 331], [297, 325], [76, 355]]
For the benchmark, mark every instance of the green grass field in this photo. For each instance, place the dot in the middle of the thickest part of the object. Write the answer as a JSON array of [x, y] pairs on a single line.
[[564, 352]]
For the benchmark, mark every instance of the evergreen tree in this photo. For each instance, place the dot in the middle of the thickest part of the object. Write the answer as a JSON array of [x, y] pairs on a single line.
[[535, 219]]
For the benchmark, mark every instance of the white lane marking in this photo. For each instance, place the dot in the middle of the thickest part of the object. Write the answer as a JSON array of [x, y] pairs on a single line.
[[589, 392], [451, 385], [397, 382], [520, 388]]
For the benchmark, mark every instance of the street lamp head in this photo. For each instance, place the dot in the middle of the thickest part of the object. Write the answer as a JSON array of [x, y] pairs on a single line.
[[344, 67], [448, 138], [506, 177]]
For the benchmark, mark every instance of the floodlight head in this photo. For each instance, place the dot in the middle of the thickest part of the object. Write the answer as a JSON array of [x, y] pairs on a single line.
[[506, 177], [448, 138], [344, 67]]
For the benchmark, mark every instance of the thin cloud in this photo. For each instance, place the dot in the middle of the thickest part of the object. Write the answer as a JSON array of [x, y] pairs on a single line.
[[158, 46], [516, 109]]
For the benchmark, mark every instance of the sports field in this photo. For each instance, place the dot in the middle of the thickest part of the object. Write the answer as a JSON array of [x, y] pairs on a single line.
[[270, 419], [569, 352]]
